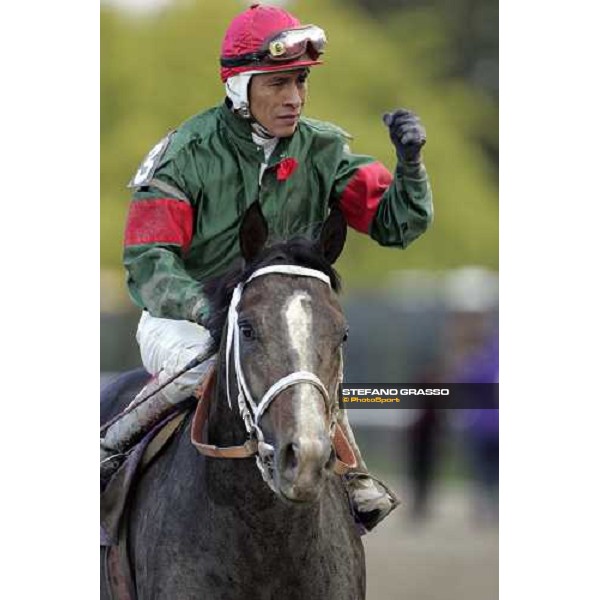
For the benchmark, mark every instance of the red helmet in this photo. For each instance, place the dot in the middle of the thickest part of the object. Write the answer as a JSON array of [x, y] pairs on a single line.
[[268, 38]]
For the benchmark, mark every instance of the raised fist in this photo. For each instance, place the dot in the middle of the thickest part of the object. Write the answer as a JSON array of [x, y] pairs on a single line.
[[407, 134]]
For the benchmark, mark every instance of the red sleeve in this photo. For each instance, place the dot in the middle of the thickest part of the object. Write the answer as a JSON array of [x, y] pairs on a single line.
[[159, 221], [362, 194]]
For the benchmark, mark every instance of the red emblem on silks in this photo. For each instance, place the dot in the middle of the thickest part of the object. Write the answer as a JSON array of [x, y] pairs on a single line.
[[285, 168]]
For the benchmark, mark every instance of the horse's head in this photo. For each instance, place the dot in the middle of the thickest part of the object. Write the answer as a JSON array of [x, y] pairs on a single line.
[[285, 330]]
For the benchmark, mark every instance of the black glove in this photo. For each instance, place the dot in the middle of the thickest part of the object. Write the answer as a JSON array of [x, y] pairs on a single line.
[[214, 326], [407, 134]]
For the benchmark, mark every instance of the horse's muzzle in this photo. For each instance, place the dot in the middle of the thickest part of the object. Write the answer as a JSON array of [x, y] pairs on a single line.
[[302, 465]]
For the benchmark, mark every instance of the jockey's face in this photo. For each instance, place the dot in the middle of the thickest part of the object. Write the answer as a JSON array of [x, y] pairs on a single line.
[[277, 99]]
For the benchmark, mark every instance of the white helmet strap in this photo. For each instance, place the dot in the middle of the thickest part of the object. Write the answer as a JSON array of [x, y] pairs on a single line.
[[236, 88]]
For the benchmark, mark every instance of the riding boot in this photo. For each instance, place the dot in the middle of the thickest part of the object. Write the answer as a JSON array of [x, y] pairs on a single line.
[[372, 500], [122, 435]]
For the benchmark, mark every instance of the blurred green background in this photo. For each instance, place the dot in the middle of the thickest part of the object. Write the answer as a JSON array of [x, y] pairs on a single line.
[[160, 66]]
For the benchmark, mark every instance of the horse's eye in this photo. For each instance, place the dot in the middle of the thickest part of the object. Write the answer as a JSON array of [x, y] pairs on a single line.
[[247, 331], [345, 336]]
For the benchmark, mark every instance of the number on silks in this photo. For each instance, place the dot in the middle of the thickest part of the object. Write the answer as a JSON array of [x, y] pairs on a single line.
[[146, 170]]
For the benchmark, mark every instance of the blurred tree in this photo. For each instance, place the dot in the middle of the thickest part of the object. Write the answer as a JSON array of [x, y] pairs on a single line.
[[159, 70], [472, 29]]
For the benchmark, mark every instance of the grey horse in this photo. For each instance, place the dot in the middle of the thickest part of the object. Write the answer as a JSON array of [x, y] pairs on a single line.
[[211, 528]]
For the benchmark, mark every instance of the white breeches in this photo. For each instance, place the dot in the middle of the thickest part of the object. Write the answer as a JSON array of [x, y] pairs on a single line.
[[166, 346]]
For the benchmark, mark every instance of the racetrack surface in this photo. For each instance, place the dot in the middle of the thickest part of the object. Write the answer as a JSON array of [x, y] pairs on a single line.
[[449, 556]]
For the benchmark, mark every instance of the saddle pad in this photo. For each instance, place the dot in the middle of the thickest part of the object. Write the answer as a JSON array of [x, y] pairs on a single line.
[[114, 498]]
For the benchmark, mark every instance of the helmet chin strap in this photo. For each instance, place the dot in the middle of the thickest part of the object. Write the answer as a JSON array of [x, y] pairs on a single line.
[[236, 88], [262, 132]]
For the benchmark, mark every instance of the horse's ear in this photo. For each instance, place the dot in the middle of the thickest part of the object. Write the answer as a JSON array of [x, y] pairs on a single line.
[[254, 232], [333, 235]]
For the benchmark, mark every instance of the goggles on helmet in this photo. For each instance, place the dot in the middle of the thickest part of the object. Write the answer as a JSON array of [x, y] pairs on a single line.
[[283, 47]]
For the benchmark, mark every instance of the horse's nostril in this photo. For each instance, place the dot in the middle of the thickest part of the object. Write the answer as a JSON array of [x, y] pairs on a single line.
[[306, 460], [291, 457]]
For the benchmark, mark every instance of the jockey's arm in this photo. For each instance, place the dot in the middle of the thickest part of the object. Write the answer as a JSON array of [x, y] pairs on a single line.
[[159, 231], [393, 209]]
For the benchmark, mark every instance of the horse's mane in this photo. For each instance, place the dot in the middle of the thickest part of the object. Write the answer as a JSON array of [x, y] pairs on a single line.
[[296, 251]]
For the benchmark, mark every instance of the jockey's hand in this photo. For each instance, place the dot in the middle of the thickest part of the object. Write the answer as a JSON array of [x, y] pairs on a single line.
[[407, 134], [215, 334], [210, 324]]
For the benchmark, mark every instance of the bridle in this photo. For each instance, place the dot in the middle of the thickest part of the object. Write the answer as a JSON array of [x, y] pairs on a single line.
[[251, 411]]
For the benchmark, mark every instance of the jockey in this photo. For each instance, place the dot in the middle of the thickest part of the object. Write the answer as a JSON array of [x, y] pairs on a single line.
[[194, 186]]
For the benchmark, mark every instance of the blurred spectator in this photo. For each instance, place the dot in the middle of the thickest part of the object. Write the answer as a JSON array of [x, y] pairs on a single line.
[[467, 353], [471, 356], [481, 429], [423, 456]]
